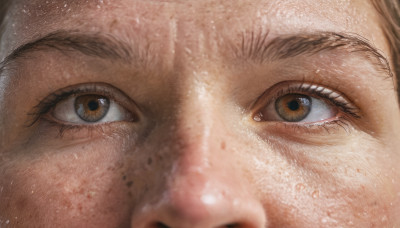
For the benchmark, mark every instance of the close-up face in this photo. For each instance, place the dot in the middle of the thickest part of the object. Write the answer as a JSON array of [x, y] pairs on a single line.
[[198, 114]]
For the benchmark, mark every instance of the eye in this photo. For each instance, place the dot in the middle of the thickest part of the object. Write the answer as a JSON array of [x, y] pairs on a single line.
[[294, 107], [293, 102], [89, 109]]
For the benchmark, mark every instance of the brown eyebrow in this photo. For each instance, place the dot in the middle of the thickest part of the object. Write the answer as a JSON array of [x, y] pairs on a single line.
[[257, 48], [95, 45]]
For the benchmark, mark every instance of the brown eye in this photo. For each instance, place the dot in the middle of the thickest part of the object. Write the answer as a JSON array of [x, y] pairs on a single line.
[[91, 108], [293, 107]]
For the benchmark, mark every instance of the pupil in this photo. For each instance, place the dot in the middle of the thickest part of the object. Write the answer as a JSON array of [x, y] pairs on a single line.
[[93, 105], [293, 105]]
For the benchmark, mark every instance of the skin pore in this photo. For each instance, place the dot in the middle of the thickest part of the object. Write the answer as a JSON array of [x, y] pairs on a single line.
[[196, 139]]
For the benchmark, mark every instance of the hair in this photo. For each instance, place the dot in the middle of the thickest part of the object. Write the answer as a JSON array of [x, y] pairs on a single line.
[[388, 10], [4, 5]]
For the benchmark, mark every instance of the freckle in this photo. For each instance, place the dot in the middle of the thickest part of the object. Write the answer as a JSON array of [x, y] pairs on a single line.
[[130, 194], [149, 161], [129, 184], [113, 23], [223, 145], [124, 177]]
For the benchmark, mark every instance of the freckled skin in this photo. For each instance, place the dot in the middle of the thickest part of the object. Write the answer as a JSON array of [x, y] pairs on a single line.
[[196, 158]]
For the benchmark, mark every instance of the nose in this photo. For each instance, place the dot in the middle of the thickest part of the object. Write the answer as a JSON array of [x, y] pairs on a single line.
[[202, 200], [207, 188]]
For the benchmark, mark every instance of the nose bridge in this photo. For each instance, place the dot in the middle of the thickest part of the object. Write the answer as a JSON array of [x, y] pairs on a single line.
[[196, 127], [206, 187]]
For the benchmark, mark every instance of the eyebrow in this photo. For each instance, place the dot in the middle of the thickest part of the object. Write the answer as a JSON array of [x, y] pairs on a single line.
[[257, 47], [94, 45], [254, 47]]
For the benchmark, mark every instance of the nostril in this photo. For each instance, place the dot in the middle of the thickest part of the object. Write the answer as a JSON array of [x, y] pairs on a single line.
[[233, 225], [161, 225]]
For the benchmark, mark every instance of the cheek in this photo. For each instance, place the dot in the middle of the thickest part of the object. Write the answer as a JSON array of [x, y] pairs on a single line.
[[346, 185], [82, 186]]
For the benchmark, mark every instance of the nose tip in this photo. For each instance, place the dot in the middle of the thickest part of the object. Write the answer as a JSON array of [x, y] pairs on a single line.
[[202, 205]]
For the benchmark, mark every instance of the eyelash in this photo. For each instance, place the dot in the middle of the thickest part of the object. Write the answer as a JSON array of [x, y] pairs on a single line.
[[312, 89], [46, 105]]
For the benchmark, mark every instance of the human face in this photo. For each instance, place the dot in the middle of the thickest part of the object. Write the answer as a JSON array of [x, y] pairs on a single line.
[[198, 114]]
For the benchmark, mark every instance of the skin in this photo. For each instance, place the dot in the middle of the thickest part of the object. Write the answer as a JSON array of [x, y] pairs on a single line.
[[196, 157]]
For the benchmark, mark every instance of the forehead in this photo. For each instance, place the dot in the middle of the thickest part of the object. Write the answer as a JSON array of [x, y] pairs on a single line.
[[191, 19]]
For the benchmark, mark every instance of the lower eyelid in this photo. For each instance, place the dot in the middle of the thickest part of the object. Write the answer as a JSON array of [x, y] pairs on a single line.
[[312, 132], [75, 134]]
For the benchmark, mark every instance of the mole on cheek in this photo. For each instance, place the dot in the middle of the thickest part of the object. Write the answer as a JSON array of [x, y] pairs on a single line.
[[129, 184]]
